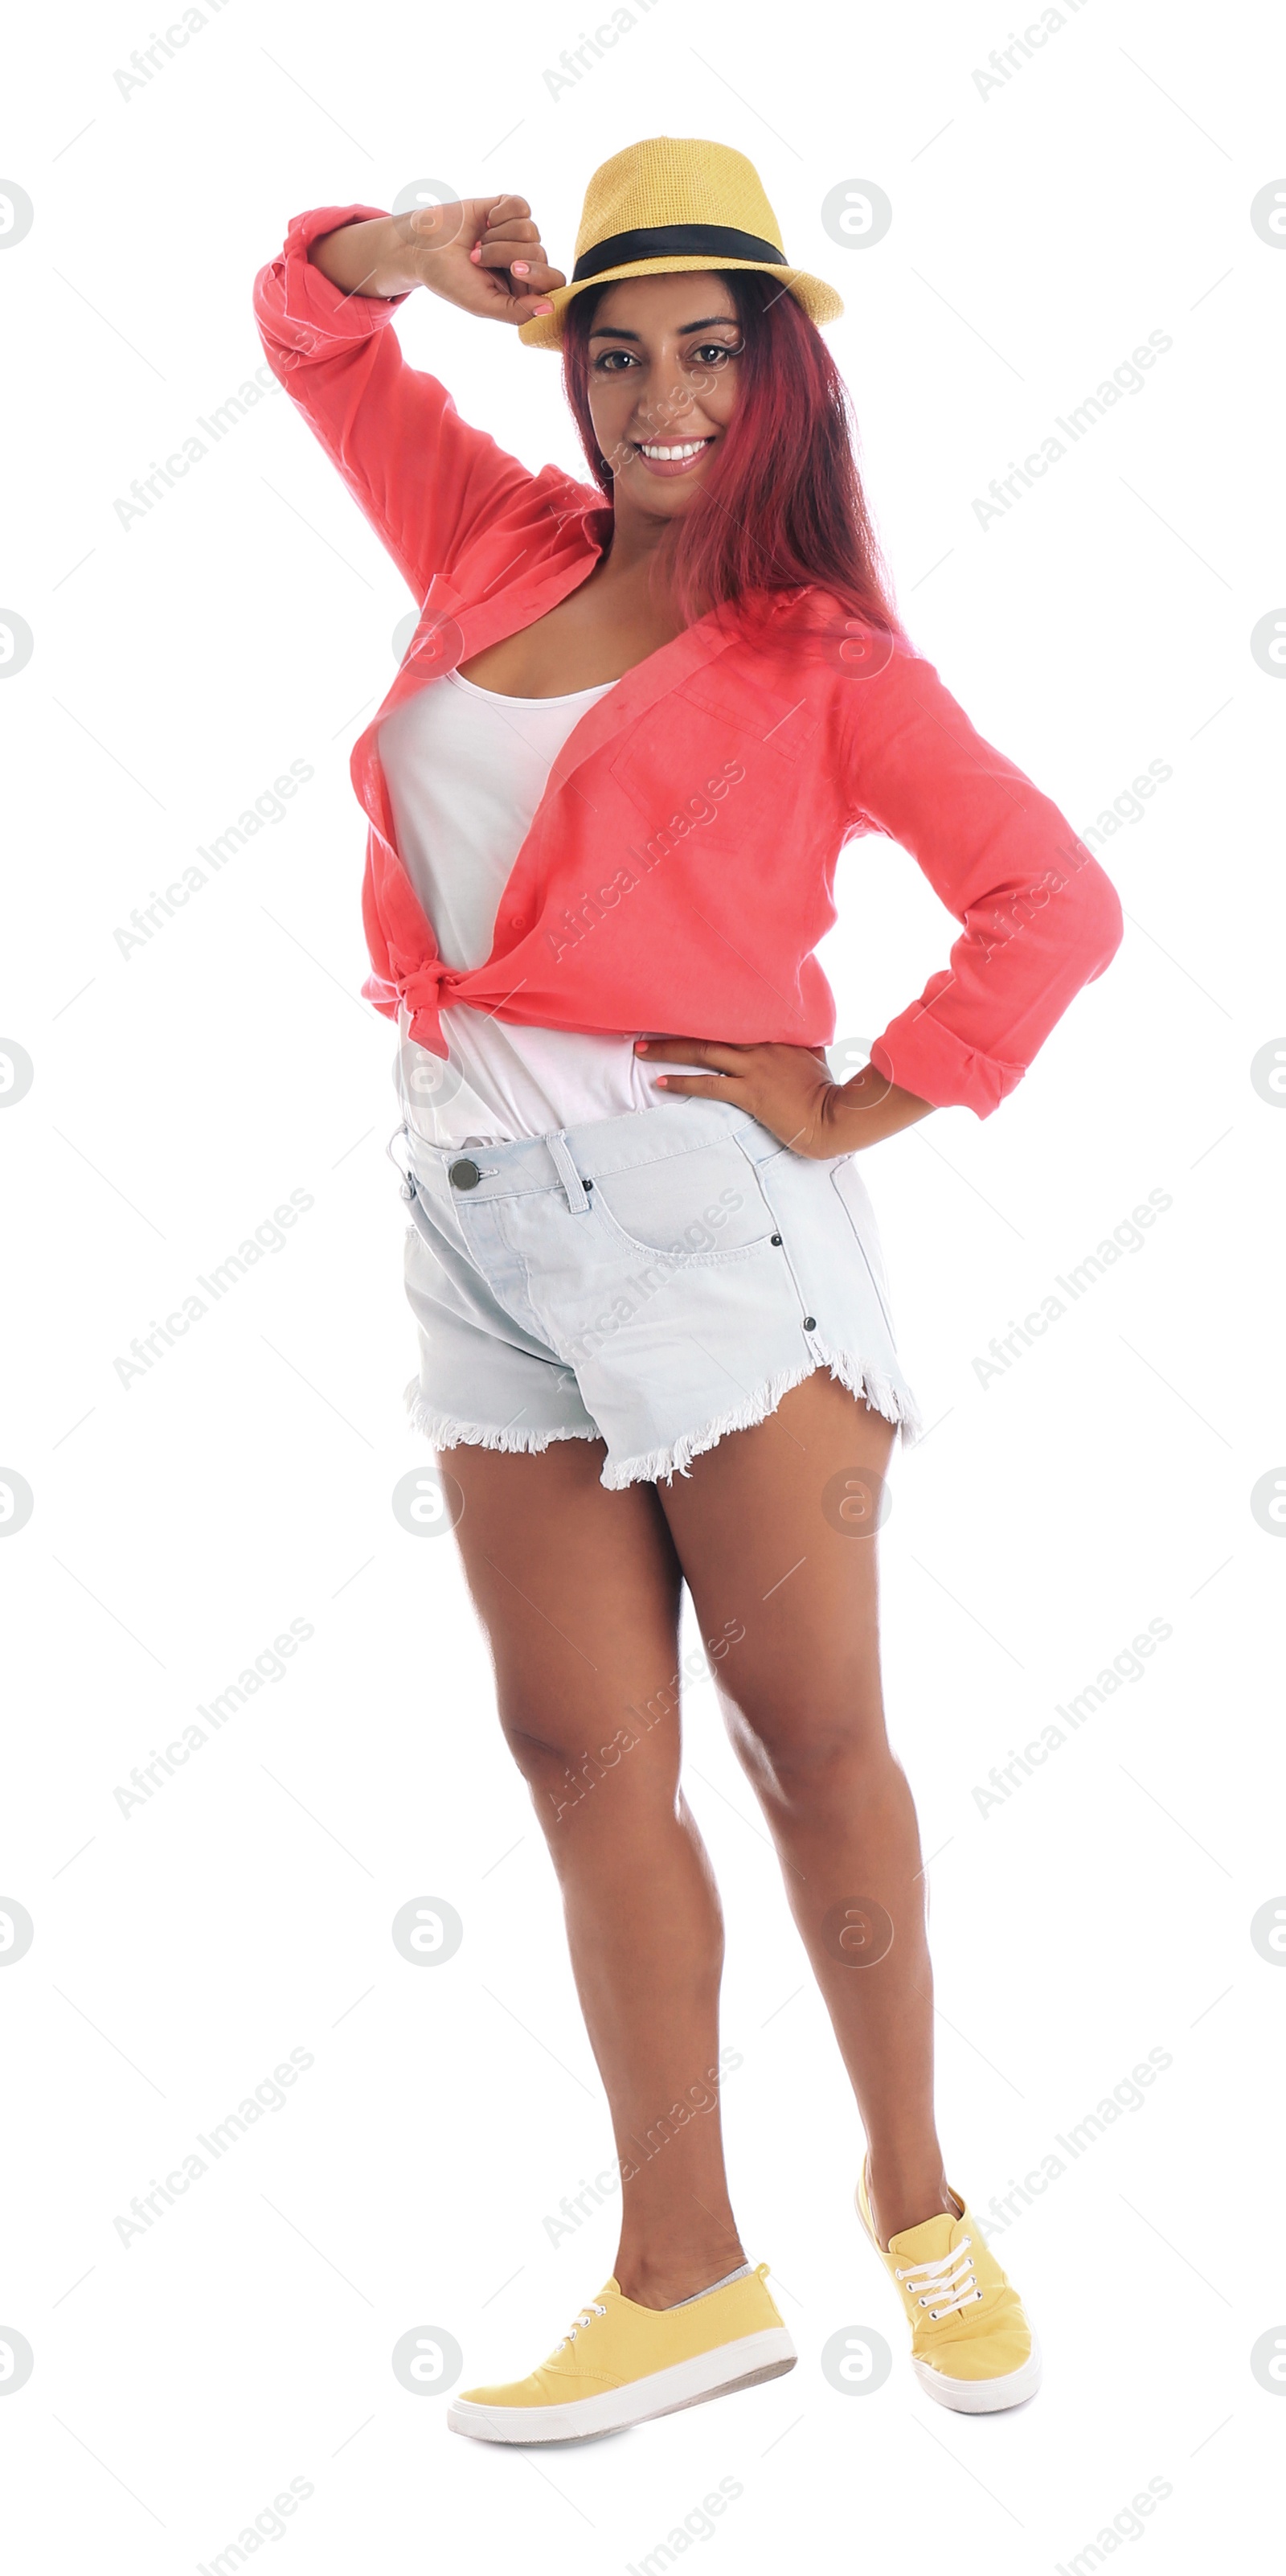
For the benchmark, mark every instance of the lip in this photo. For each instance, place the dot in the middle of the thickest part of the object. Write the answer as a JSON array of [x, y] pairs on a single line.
[[669, 468]]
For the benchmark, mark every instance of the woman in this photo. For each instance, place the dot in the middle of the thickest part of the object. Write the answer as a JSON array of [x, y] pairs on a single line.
[[606, 794]]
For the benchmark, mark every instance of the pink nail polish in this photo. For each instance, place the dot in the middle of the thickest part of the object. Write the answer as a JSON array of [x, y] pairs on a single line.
[[522, 268]]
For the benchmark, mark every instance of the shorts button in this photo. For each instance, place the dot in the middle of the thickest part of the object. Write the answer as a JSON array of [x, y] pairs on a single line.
[[464, 1174], [774, 1238], [810, 1323]]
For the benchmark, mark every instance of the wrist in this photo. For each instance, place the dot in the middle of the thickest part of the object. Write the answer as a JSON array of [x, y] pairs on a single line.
[[868, 1108], [367, 258]]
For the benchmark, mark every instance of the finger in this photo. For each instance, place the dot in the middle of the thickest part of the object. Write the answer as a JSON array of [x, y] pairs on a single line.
[[510, 228], [499, 307], [722, 1059], [529, 278], [702, 1086], [536, 273], [497, 289], [503, 251], [498, 209]]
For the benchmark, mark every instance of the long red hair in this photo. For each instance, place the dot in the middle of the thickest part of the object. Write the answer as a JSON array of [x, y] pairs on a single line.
[[781, 507]]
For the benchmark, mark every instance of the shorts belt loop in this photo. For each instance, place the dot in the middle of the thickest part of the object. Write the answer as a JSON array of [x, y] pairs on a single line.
[[569, 1176], [407, 1177]]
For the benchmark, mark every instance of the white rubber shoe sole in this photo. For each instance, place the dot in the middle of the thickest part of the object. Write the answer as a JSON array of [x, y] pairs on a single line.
[[981, 2396], [663, 2392]]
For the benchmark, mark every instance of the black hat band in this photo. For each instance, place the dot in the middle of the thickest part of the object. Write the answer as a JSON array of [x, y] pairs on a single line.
[[661, 241]]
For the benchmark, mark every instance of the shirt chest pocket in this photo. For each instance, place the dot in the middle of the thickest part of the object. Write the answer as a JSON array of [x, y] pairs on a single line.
[[782, 720]]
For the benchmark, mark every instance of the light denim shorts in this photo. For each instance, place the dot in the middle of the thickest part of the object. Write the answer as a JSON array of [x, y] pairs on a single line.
[[653, 1281]]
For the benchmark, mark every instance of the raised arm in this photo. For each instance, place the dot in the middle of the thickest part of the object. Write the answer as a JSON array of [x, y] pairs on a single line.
[[422, 476]]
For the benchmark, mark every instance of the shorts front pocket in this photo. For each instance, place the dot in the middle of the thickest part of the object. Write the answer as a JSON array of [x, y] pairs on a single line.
[[699, 1206]]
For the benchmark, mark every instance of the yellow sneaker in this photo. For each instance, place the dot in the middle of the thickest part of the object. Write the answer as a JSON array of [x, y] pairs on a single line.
[[621, 2364], [971, 2345]]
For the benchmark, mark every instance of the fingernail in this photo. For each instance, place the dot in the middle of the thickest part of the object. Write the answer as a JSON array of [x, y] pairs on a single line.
[[521, 267], [542, 308], [475, 253]]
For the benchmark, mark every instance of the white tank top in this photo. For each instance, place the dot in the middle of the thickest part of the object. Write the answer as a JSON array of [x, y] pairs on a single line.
[[466, 770]]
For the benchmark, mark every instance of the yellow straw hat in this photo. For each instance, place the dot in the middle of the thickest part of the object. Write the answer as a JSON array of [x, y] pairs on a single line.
[[672, 203]]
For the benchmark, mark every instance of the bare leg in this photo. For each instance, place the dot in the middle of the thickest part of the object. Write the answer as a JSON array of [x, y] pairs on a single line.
[[801, 1693], [578, 1590]]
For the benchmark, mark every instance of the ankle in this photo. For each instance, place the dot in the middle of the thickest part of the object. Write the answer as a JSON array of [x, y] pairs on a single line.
[[903, 2195], [660, 2280]]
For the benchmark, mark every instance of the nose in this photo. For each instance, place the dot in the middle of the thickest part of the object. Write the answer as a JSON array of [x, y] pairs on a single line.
[[663, 411]]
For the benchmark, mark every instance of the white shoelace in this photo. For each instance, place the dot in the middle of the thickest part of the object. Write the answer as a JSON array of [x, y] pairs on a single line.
[[951, 2281], [586, 2314]]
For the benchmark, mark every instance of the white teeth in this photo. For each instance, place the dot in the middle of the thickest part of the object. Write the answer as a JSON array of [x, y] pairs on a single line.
[[667, 455]]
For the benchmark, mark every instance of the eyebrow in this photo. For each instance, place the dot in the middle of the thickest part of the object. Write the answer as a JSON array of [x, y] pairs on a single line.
[[606, 331]]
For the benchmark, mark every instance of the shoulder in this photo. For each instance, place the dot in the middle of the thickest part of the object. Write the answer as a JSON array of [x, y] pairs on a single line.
[[859, 667], [825, 627]]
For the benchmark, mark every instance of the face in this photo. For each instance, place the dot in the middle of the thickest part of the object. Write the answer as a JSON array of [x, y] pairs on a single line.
[[663, 366]]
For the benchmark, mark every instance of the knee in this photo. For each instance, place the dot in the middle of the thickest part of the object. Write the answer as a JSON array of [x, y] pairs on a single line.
[[804, 1756], [563, 1762]]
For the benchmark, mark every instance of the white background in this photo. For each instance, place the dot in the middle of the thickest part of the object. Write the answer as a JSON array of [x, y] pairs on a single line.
[[1040, 232]]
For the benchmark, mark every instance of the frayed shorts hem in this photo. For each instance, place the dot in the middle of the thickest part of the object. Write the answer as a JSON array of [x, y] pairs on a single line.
[[661, 1465], [445, 1432]]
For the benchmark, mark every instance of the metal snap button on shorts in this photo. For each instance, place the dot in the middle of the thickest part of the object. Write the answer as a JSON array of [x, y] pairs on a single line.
[[653, 1281]]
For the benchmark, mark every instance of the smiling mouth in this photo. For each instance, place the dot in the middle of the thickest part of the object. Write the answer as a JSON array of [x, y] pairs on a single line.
[[677, 456]]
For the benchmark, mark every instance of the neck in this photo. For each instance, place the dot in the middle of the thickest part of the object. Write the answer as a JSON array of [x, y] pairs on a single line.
[[636, 541]]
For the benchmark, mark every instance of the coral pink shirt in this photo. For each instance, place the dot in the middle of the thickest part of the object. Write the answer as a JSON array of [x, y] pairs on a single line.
[[679, 869]]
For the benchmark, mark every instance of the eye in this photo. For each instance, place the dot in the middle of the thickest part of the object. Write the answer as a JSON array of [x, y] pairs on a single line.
[[710, 350], [604, 366]]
